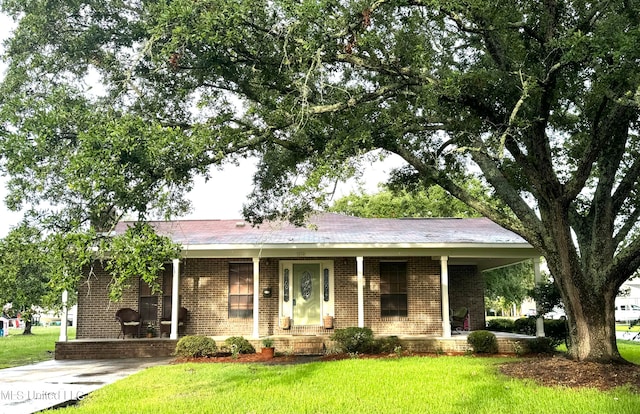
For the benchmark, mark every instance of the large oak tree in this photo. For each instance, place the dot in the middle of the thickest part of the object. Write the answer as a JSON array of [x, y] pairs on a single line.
[[537, 98]]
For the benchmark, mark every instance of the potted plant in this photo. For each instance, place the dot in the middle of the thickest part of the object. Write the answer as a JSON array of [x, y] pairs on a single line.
[[268, 348], [151, 330], [327, 322]]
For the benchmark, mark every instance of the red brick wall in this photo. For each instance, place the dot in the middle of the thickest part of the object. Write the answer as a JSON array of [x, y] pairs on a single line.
[[204, 291]]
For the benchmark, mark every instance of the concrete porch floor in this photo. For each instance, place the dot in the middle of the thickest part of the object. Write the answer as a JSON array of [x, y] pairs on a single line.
[[508, 343]]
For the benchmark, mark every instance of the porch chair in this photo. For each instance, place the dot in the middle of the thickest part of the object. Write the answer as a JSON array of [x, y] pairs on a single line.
[[129, 322], [460, 319], [165, 323]]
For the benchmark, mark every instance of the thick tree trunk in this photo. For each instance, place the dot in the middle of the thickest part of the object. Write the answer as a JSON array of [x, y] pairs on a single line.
[[591, 319], [27, 327], [592, 331], [588, 293]]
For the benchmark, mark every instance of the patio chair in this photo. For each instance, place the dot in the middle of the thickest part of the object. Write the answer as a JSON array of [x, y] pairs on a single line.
[[460, 319], [165, 323], [129, 322]]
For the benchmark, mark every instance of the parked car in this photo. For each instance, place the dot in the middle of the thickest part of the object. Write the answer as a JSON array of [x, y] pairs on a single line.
[[556, 313], [626, 313]]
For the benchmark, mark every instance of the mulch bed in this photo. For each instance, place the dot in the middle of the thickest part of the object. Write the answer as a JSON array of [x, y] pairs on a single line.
[[545, 370], [560, 371]]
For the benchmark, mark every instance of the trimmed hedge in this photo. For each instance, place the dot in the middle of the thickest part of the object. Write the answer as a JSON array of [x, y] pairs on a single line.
[[386, 344], [239, 345], [354, 340], [500, 325], [196, 346], [483, 342], [541, 345], [554, 329], [526, 326]]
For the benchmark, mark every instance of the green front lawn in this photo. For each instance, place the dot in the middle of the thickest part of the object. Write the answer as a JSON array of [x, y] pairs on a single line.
[[17, 349], [407, 385]]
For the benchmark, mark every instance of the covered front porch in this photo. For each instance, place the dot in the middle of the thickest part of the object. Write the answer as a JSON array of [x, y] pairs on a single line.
[[287, 344]]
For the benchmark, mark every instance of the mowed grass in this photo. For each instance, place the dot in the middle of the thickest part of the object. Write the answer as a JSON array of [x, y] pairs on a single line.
[[405, 385], [629, 350], [17, 349]]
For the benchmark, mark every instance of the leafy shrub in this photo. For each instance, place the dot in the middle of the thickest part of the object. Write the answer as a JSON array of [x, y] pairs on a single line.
[[196, 346], [500, 325], [541, 345], [354, 340], [526, 326], [239, 345], [386, 344], [556, 330], [483, 342]]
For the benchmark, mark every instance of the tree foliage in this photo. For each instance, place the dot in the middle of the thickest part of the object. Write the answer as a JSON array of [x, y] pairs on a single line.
[[430, 202], [539, 100], [26, 273], [137, 253], [511, 284]]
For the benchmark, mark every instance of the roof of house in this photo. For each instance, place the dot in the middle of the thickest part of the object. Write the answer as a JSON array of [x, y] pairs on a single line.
[[331, 228], [330, 235]]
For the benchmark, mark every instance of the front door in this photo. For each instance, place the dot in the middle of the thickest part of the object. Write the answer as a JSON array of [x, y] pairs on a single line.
[[306, 294]]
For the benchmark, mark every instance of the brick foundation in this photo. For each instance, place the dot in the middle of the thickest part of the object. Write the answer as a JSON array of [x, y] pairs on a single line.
[[115, 349]]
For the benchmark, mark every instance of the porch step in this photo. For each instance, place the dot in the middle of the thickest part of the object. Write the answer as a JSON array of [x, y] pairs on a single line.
[[301, 345]]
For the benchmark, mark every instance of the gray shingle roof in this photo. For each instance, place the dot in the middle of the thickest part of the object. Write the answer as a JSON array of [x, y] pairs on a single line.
[[329, 228]]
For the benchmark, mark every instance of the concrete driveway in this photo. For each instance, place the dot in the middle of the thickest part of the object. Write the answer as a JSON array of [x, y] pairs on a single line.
[[48, 384]]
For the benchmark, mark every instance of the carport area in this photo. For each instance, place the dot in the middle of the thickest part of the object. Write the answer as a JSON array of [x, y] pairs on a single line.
[[49, 384]]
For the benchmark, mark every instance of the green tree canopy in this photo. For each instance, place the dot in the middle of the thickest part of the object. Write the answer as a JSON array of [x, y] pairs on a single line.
[[429, 202], [26, 273], [538, 100]]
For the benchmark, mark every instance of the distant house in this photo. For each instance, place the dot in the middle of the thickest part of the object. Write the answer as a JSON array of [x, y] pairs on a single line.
[[395, 276], [630, 293]]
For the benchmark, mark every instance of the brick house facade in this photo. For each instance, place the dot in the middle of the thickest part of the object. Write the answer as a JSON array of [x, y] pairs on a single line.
[[398, 277]]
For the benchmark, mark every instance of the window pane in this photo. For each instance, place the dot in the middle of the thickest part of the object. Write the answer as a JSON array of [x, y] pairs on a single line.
[[149, 308], [393, 289], [240, 290]]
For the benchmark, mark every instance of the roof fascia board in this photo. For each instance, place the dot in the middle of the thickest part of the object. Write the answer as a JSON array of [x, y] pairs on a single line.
[[253, 251]]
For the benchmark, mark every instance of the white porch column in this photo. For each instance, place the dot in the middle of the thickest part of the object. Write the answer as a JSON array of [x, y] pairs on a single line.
[[538, 281], [256, 297], [63, 317], [360, 276], [444, 288], [175, 295]]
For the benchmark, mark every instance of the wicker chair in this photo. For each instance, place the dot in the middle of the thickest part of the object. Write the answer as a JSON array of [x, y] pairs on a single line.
[[165, 323], [129, 322], [460, 319]]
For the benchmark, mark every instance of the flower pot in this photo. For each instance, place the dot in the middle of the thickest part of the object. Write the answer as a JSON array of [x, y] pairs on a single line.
[[327, 322], [285, 322], [268, 352]]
